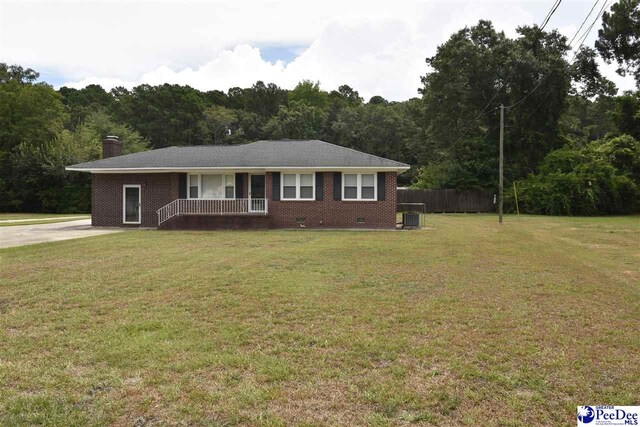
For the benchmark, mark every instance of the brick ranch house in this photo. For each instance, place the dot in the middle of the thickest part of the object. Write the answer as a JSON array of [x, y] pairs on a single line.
[[264, 184]]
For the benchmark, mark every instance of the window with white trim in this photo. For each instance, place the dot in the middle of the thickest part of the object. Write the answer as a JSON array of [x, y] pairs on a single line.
[[229, 186], [367, 186], [359, 186], [298, 186], [212, 186], [194, 186], [306, 185]]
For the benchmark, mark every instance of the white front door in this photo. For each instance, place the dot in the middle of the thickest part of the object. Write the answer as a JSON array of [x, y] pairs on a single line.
[[131, 201]]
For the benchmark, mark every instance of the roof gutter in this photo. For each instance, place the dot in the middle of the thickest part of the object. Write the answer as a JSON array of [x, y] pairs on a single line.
[[238, 168]]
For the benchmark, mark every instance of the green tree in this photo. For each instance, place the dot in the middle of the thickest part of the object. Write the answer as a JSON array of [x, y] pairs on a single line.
[[474, 72], [38, 177], [309, 93], [215, 97], [626, 114], [472, 165], [31, 114], [16, 73], [250, 127], [339, 99], [82, 102], [351, 96], [383, 130], [297, 121], [586, 73], [166, 115], [40, 182], [377, 100], [584, 120], [619, 38], [236, 99], [601, 178], [622, 152], [265, 100], [219, 124], [98, 125]]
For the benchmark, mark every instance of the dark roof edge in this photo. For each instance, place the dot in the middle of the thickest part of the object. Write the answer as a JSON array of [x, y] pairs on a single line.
[[80, 168]]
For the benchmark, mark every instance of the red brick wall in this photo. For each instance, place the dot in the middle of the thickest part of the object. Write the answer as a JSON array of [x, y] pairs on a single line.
[[216, 222], [111, 148], [245, 185], [331, 213], [156, 190]]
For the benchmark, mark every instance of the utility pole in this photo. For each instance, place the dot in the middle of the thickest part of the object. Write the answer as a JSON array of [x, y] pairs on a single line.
[[501, 190]]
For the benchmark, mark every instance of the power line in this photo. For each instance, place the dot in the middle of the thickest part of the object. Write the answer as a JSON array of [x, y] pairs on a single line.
[[502, 107], [581, 39], [521, 58], [586, 33], [550, 14], [585, 20], [544, 23]]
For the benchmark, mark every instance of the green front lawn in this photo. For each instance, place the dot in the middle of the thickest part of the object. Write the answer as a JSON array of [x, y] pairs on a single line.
[[465, 323]]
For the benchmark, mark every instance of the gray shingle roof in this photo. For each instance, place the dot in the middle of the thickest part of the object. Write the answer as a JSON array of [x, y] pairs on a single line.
[[260, 154]]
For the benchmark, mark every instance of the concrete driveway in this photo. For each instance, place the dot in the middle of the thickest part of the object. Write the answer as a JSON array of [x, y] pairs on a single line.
[[19, 235]]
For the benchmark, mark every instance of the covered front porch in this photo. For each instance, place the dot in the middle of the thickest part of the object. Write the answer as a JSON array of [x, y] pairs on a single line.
[[217, 199]]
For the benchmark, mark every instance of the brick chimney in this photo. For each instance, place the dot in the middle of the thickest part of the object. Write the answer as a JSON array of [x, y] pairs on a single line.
[[111, 147]]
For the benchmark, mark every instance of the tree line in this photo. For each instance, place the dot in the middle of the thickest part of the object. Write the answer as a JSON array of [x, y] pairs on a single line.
[[571, 143]]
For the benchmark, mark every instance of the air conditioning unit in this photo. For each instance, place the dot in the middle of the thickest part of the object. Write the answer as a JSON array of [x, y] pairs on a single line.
[[410, 219]]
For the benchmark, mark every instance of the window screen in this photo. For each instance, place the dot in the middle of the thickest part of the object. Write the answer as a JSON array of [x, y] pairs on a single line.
[[289, 186], [193, 186], [306, 186], [368, 186], [350, 186]]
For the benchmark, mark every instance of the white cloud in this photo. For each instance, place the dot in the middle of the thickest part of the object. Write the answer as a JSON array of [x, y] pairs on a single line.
[[385, 58], [377, 46]]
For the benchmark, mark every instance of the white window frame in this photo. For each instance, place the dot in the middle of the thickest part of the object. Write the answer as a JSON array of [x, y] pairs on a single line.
[[224, 185], [297, 175], [359, 186], [124, 203], [189, 186]]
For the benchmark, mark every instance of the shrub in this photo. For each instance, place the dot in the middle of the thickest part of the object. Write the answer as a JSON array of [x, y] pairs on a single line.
[[600, 179]]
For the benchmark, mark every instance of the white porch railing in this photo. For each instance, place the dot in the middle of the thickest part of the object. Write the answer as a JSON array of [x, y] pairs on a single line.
[[212, 207]]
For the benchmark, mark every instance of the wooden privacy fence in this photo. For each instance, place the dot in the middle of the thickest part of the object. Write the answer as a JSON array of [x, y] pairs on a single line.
[[445, 200]]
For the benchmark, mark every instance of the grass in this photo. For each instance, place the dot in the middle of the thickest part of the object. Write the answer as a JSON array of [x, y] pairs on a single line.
[[466, 323]]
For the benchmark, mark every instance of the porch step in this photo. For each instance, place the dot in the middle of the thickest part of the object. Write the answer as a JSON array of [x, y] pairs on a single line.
[[216, 222]]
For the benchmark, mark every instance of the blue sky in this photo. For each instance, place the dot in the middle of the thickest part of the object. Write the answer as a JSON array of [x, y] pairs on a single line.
[[51, 77], [285, 54]]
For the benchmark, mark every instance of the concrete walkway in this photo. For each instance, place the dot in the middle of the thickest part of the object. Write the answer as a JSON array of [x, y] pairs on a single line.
[[20, 235], [54, 218]]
